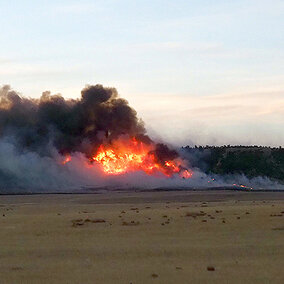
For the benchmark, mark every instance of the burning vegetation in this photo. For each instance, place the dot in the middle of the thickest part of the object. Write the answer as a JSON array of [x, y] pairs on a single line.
[[97, 141], [133, 155], [100, 124]]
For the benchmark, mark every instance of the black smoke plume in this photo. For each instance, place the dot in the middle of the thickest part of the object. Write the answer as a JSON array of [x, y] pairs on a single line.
[[37, 134], [35, 129], [70, 125]]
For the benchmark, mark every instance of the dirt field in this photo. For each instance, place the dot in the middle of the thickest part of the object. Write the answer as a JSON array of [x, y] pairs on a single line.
[[151, 237]]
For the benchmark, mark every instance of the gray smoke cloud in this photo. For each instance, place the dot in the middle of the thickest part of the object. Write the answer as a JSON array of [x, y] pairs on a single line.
[[70, 125], [37, 134]]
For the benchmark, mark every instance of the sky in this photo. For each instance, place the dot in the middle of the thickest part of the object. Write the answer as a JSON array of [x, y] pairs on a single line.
[[197, 72]]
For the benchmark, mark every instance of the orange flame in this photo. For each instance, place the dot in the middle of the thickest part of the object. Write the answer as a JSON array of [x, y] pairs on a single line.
[[129, 155], [132, 155], [66, 160]]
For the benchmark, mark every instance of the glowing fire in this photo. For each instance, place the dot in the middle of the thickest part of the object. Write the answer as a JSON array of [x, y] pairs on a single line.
[[132, 155], [66, 160], [242, 186], [129, 155]]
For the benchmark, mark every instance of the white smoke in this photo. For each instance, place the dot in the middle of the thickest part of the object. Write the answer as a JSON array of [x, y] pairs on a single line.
[[24, 172]]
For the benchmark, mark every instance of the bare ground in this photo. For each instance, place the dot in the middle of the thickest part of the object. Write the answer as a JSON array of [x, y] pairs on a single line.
[[143, 237]]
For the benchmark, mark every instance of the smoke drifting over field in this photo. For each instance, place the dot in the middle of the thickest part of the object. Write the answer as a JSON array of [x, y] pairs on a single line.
[[39, 136], [68, 125], [50, 144]]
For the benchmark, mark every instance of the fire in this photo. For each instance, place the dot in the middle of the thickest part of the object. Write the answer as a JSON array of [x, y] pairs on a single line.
[[66, 160], [129, 155], [132, 155], [242, 186]]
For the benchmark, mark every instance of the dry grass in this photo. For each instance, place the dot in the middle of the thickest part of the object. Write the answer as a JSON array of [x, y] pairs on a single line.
[[195, 214], [210, 268], [41, 247], [131, 223], [278, 229], [81, 222], [276, 215]]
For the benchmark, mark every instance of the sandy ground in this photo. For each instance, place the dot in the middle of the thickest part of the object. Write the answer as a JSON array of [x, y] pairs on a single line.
[[158, 237]]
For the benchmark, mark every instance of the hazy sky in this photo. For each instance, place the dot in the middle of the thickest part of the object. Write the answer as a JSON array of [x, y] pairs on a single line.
[[205, 72]]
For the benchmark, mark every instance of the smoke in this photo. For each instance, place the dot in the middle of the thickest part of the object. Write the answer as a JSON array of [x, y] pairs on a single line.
[[204, 160], [69, 125], [37, 134]]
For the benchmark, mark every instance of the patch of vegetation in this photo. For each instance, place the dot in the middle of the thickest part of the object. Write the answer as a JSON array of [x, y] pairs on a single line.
[[252, 161]]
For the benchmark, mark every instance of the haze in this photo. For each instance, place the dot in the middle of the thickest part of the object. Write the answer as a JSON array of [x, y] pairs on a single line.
[[197, 72]]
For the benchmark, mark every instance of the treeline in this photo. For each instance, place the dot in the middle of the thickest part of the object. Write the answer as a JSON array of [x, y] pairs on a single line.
[[252, 161]]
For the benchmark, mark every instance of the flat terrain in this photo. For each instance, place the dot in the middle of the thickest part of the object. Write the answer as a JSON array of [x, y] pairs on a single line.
[[143, 237]]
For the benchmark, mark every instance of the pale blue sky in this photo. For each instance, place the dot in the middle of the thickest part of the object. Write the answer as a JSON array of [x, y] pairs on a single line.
[[201, 71]]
